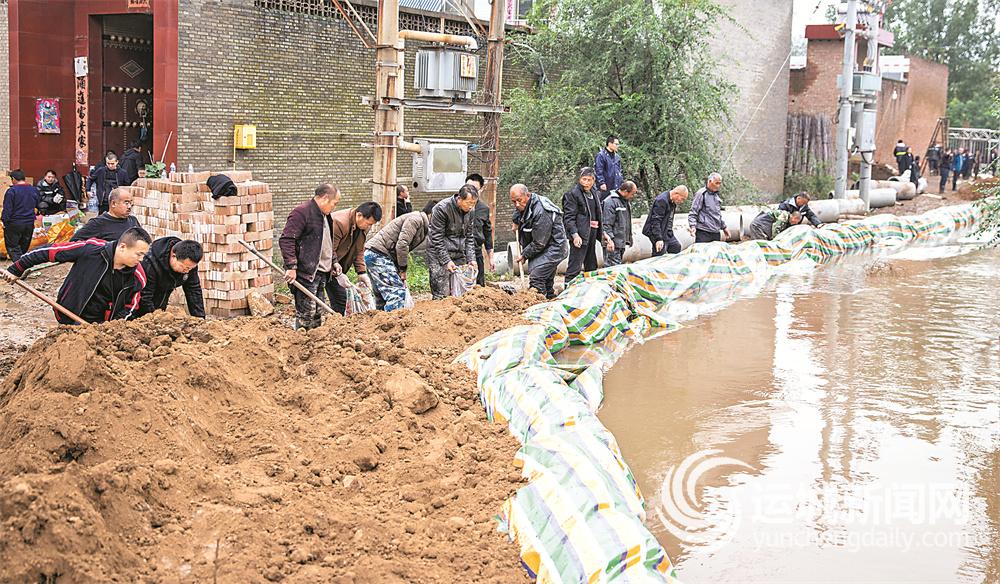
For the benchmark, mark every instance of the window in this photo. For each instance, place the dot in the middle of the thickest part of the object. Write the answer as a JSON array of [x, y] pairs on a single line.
[[446, 160]]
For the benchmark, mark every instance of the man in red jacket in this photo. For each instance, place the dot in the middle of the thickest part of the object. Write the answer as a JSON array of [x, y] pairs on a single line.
[[106, 280]]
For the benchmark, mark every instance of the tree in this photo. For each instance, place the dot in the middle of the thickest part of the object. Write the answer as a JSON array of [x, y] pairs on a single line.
[[965, 36], [637, 69]]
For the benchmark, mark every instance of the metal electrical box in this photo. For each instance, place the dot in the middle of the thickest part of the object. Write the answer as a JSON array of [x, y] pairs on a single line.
[[866, 131], [245, 137], [867, 84], [442, 72], [441, 165]]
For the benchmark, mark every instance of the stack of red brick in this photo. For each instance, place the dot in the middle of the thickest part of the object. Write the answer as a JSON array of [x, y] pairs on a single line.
[[183, 206]]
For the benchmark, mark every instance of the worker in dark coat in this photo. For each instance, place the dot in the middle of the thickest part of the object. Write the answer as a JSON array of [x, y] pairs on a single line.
[[659, 226], [617, 223], [51, 198], [482, 230], [608, 168], [541, 235], [306, 245], [800, 203], [583, 219], [110, 225], [450, 242], [404, 204], [172, 263], [106, 179], [900, 153], [106, 280], [18, 215], [132, 162]]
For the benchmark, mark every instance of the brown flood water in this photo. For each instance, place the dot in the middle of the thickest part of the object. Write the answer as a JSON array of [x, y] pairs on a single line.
[[861, 409]]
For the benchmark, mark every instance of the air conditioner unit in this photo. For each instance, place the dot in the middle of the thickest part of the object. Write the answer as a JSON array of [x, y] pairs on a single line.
[[441, 166], [442, 72]]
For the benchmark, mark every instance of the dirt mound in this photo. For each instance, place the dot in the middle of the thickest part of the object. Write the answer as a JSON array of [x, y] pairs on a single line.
[[173, 450]]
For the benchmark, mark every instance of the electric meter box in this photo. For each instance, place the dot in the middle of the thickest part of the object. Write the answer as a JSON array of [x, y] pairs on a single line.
[[245, 137], [441, 166]]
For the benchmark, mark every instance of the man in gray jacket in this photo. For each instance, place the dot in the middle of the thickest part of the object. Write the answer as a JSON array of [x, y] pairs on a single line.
[[542, 236], [387, 255], [618, 223], [705, 218], [450, 239]]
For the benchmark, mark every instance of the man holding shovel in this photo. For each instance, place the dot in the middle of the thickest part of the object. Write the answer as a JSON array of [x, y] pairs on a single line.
[[306, 245], [105, 282]]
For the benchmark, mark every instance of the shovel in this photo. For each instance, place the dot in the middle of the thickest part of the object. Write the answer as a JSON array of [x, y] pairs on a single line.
[[294, 283]]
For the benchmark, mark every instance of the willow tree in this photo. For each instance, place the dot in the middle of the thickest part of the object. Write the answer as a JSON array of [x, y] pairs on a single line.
[[637, 69]]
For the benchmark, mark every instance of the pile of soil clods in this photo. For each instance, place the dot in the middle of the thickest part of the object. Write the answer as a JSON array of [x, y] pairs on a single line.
[[177, 450]]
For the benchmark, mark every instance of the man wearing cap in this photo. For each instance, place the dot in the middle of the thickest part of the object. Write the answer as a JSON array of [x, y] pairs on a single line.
[[583, 220]]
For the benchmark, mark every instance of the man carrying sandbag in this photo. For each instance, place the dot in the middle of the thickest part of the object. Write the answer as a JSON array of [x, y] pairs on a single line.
[[800, 203], [450, 240], [542, 236], [387, 256], [350, 230]]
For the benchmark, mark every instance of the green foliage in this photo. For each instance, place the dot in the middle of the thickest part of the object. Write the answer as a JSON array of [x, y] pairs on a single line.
[[632, 68], [991, 208], [817, 184], [963, 34], [155, 170]]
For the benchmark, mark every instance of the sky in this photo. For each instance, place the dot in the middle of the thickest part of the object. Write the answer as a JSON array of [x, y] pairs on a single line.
[[802, 14]]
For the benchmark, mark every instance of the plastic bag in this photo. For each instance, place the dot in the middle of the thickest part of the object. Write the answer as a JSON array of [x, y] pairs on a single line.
[[463, 279], [359, 298], [408, 299]]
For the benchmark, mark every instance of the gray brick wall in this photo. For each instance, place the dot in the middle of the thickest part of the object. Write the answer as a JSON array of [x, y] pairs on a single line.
[[299, 78], [751, 49], [4, 89]]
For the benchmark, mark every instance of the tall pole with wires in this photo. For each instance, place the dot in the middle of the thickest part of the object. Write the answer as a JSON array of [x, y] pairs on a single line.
[[492, 87], [846, 88]]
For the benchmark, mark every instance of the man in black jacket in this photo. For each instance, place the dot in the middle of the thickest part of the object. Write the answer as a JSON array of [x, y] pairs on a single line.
[[172, 263], [482, 229], [800, 203], [659, 226], [582, 218], [900, 152], [450, 242], [404, 204], [106, 280], [617, 221], [542, 236], [306, 245], [132, 162], [106, 179], [110, 225]]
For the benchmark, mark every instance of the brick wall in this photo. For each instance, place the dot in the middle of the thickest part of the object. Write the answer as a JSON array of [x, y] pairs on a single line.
[[299, 78], [4, 89], [912, 115], [751, 57]]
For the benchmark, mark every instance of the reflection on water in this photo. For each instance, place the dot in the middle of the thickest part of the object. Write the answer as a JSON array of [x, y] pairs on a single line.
[[867, 402]]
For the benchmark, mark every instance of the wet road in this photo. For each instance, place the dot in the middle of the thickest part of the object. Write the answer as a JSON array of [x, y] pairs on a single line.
[[856, 417]]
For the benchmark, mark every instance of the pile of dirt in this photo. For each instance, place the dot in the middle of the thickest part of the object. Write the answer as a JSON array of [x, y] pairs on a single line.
[[967, 191], [173, 449]]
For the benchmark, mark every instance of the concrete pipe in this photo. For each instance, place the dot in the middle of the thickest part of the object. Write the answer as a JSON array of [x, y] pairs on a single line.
[[828, 210], [852, 207], [733, 219], [881, 198], [907, 192]]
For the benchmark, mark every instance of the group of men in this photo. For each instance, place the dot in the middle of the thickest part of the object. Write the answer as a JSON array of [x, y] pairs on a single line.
[[118, 271]]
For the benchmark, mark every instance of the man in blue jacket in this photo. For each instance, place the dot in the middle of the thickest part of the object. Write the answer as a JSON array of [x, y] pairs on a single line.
[[957, 162], [20, 203], [608, 167]]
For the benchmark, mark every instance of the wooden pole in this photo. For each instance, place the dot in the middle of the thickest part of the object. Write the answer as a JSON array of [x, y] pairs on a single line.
[[492, 89], [297, 286], [47, 300], [388, 118]]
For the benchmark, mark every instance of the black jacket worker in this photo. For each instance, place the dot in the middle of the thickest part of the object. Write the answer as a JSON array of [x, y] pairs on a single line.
[[110, 225], [659, 226], [542, 236], [582, 218], [106, 280], [106, 179], [800, 203], [172, 263], [482, 229]]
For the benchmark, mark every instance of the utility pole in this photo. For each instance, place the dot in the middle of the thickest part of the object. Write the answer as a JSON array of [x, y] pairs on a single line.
[[492, 87], [388, 117], [846, 88]]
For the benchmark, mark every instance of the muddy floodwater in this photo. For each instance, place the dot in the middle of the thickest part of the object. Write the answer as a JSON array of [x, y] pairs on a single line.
[[841, 426]]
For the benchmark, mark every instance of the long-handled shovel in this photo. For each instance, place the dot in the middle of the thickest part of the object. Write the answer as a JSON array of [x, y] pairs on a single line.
[[47, 300], [298, 286]]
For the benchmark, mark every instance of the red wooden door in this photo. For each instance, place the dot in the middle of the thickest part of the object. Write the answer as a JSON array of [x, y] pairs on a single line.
[[128, 88]]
